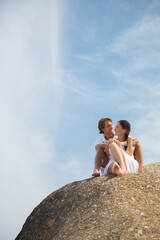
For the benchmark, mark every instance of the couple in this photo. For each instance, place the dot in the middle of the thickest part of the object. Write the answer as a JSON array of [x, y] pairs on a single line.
[[119, 154]]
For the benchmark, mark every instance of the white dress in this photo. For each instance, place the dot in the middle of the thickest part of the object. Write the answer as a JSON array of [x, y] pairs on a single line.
[[132, 164]]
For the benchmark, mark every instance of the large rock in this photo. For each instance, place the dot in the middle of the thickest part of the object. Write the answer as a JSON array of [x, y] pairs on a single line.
[[118, 208], [154, 167]]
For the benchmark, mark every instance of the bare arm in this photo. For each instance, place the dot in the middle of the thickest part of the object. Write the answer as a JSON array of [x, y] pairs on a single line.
[[124, 143], [131, 145], [100, 145], [139, 156]]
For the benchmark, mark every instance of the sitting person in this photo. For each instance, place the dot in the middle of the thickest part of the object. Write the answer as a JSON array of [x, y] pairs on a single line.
[[122, 160], [105, 126]]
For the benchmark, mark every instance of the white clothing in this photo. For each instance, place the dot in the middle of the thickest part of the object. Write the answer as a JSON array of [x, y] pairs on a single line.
[[132, 164], [105, 172], [100, 140]]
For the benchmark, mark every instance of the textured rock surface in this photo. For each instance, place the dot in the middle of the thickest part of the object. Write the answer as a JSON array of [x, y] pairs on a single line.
[[118, 208], [154, 167]]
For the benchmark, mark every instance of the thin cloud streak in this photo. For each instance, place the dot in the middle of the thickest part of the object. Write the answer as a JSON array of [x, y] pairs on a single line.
[[55, 46], [27, 146], [138, 45], [141, 37], [51, 99]]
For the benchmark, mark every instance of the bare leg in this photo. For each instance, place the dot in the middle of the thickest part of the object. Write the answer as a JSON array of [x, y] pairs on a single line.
[[100, 160], [115, 169], [118, 156]]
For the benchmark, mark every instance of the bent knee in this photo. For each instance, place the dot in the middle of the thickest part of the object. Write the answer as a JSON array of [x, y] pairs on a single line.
[[99, 149]]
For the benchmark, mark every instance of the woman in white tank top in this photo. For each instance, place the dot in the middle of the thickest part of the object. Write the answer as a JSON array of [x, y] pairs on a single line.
[[122, 160]]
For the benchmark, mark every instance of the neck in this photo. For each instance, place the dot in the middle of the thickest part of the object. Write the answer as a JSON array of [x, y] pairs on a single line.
[[108, 136], [121, 138]]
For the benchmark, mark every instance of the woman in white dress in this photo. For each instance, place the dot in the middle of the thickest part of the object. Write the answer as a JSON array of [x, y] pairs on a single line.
[[122, 160]]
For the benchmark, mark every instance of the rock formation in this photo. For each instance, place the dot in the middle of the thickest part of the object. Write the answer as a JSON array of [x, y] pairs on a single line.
[[118, 208], [154, 167]]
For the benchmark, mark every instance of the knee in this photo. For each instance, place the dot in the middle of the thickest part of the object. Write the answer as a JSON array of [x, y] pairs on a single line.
[[99, 150], [111, 143]]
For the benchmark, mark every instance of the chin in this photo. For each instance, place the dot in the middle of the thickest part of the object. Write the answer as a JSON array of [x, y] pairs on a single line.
[[112, 135]]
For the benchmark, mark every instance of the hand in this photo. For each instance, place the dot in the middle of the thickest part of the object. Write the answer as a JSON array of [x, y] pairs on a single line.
[[141, 169], [133, 140], [111, 140], [117, 142]]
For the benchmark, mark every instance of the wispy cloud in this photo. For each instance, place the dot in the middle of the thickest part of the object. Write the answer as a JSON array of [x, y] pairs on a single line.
[[71, 82], [138, 46], [26, 143], [141, 37], [42, 96], [135, 72], [139, 78]]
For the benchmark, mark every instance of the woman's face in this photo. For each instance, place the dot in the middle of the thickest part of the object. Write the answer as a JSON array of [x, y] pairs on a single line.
[[119, 131]]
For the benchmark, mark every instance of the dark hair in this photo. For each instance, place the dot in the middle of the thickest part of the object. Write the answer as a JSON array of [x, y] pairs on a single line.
[[101, 123], [125, 125]]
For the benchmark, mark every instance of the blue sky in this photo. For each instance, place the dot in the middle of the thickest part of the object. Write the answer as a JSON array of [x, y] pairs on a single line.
[[64, 65]]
